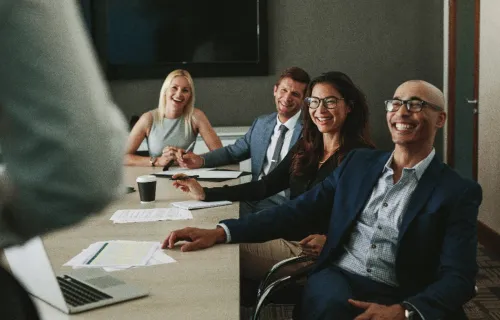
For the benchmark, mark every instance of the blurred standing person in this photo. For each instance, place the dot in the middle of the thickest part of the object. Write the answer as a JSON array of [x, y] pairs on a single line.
[[60, 134]]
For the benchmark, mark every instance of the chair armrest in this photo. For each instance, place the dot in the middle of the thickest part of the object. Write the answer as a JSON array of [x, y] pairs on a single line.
[[274, 286], [278, 266]]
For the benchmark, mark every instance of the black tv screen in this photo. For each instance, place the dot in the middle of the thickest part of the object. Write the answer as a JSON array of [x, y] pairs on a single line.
[[150, 38]]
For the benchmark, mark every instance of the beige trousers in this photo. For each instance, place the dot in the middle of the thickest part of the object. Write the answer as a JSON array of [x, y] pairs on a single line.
[[257, 258]]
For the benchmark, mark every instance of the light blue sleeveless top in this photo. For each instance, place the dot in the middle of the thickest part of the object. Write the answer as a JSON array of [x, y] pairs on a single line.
[[170, 132]]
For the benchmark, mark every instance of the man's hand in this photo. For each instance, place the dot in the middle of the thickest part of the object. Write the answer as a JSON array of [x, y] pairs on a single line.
[[313, 244], [190, 186], [197, 238], [189, 160], [374, 311]]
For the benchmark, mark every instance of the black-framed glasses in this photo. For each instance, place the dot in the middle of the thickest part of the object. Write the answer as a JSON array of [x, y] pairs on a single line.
[[328, 102], [412, 105]]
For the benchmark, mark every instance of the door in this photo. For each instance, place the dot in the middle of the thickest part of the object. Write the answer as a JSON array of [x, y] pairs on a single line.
[[463, 80]]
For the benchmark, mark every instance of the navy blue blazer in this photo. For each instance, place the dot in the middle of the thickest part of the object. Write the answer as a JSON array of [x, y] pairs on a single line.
[[253, 145], [436, 257]]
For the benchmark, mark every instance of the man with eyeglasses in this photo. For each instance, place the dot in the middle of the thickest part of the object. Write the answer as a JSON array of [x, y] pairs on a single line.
[[401, 226]]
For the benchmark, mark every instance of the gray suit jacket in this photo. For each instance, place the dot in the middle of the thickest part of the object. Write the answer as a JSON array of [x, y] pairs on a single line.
[[253, 145]]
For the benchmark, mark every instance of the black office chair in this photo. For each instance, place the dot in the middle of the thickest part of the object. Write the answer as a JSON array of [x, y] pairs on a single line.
[[270, 286]]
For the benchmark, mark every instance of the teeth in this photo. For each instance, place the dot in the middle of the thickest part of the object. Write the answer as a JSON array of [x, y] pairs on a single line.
[[177, 100], [404, 126], [323, 119]]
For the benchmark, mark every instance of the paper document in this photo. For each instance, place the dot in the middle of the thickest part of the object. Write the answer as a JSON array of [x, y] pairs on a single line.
[[149, 215], [204, 173], [123, 253], [133, 254], [194, 204], [189, 172]]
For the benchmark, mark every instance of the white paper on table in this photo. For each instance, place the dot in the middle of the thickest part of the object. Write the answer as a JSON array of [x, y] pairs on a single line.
[[80, 259], [219, 174], [188, 172], [195, 204], [159, 257], [150, 215], [117, 253]]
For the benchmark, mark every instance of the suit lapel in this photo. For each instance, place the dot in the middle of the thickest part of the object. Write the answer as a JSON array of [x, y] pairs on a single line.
[[371, 177], [422, 192], [267, 132]]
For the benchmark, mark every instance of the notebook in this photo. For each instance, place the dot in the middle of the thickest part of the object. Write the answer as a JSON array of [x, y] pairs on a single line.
[[194, 204], [77, 291]]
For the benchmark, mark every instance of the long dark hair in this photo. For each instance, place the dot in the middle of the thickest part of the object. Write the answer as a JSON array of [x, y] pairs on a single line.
[[354, 133]]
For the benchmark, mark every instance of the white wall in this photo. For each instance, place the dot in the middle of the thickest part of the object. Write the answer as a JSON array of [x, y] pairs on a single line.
[[489, 114]]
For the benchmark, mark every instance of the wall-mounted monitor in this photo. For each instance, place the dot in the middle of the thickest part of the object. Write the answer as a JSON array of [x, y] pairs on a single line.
[[149, 38]]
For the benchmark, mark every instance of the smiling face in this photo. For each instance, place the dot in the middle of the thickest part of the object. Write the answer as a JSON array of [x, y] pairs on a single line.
[[416, 129], [328, 120], [178, 94], [288, 96]]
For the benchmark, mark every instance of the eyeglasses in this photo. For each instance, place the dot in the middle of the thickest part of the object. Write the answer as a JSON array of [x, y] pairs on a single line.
[[413, 105], [328, 102]]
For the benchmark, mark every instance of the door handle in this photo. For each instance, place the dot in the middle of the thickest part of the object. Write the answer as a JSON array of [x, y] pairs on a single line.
[[471, 101]]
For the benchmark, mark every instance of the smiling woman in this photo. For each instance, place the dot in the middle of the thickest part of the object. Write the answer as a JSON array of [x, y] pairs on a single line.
[[172, 127], [335, 118]]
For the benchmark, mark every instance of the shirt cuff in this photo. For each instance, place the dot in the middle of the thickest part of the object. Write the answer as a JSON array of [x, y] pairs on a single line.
[[226, 230]]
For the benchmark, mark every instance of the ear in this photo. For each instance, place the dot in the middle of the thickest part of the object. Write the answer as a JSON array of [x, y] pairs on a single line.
[[441, 120], [349, 106], [275, 90]]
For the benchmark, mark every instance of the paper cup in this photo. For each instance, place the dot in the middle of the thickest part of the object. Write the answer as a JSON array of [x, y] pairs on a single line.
[[147, 188]]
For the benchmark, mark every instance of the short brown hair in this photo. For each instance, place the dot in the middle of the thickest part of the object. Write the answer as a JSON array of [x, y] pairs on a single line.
[[296, 74]]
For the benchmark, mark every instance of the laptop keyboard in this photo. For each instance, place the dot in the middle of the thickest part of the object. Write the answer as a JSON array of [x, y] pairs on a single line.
[[77, 293]]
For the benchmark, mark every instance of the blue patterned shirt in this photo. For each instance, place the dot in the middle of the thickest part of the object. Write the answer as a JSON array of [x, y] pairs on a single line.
[[371, 250]]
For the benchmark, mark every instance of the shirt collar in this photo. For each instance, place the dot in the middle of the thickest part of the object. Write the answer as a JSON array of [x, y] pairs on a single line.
[[290, 124], [419, 168]]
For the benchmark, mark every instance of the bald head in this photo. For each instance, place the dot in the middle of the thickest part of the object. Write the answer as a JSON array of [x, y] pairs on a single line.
[[423, 90]]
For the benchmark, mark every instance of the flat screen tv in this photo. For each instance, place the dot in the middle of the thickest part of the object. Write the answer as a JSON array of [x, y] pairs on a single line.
[[149, 38]]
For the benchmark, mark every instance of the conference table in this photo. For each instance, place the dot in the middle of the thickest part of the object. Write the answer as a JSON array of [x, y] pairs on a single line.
[[200, 285]]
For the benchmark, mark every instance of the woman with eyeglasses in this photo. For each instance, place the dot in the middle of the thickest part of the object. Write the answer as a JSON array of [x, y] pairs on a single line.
[[335, 122]]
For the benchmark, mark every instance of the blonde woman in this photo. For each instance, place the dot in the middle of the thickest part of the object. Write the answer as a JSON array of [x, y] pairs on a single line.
[[174, 125]]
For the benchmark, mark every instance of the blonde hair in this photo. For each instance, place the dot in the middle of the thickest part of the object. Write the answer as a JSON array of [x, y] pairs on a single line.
[[188, 109]]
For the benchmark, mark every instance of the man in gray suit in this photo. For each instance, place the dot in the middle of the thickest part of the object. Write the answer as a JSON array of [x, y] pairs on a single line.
[[267, 141]]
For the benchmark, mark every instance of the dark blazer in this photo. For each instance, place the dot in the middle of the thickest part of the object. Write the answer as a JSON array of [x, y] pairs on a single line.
[[254, 144], [281, 178], [436, 258]]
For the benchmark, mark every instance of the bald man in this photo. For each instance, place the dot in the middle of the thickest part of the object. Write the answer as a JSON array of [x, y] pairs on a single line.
[[401, 226]]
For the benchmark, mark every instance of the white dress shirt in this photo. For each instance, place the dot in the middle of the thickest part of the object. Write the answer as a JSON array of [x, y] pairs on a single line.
[[290, 124]]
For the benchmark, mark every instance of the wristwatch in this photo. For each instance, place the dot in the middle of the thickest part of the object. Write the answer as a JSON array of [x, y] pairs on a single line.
[[409, 312], [152, 160]]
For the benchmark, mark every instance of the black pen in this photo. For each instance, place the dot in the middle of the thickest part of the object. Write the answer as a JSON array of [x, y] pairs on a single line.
[[97, 253], [168, 165], [184, 177], [171, 162]]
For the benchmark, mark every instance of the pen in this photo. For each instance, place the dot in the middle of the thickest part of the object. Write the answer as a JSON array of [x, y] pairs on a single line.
[[168, 165], [97, 253], [184, 177]]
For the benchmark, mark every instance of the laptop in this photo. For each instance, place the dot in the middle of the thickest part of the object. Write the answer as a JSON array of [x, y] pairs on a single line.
[[76, 291]]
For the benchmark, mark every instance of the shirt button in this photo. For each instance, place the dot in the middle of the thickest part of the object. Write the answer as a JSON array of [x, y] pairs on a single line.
[[379, 227], [385, 204], [374, 246], [368, 270]]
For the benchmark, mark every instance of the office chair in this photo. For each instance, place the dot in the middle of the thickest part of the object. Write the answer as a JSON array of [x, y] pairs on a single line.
[[268, 287]]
